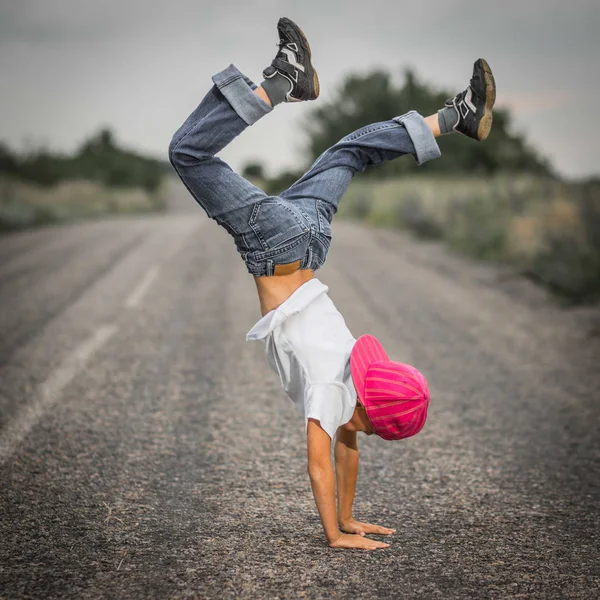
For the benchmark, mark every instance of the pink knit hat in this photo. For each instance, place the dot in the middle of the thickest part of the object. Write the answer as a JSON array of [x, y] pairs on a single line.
[[395, 395]]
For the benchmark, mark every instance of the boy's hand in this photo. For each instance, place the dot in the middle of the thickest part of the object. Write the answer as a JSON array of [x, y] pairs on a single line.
[[347, 540], [352, 526]]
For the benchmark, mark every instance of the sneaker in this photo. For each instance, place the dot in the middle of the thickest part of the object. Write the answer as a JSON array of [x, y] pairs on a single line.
[[293, 63], [474, 105]]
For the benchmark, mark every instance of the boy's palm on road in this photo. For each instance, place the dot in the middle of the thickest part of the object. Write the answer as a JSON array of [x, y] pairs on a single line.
[[352, 526], [349, 540]]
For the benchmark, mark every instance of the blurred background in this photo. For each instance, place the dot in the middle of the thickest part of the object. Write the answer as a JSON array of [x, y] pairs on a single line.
[[92, 92]]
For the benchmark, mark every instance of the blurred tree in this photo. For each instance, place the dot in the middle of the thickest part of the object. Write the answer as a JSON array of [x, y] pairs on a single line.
[[364, 99], [99, 159], [255, 173], [254, 170], [282, 182], [8, 161]]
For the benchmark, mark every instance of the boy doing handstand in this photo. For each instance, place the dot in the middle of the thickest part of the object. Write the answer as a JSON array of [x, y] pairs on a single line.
[[342, 385]]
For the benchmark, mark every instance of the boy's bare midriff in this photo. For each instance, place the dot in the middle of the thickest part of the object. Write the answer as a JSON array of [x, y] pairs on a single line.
[[275, 290]]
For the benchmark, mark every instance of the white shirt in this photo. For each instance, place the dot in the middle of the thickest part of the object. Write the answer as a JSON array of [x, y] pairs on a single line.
[[308, 345]]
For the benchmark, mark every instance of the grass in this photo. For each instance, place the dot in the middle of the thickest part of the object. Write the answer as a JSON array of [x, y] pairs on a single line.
[[548, 229], [24, 205]]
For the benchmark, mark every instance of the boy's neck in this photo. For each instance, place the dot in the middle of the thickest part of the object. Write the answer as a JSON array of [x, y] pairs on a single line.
[[275, 290]]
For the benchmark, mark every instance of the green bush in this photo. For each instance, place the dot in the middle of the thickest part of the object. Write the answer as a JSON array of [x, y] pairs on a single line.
[[478, 227], [547, 229], [101, 178], [99, 159], [569, 260]]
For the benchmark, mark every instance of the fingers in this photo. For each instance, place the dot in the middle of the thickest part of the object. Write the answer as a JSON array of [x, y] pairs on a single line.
[[355, 530], [377, 529], [357, 541], [386, 531], [359, 528], [377, 545]]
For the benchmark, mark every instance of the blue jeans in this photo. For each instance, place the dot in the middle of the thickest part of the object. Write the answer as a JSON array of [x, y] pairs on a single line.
[[293, 228]]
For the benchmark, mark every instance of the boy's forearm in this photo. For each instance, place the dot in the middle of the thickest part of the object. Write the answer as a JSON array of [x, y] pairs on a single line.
[[346, 469], [322, 481]]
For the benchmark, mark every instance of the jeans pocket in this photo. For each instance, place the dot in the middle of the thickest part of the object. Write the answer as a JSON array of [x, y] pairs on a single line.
[[319, 249], [274, 223], [325, 213]]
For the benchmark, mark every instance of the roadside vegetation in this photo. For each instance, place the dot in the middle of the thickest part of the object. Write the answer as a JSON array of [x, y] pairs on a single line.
[[40, 187], [499, 200], [547, 229]]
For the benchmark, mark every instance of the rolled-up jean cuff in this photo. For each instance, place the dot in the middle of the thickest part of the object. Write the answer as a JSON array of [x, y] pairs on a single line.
[[238, 90], [426, 148]]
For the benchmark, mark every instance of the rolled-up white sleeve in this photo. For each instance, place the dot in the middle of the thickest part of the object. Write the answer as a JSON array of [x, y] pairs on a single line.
[[330, 404]]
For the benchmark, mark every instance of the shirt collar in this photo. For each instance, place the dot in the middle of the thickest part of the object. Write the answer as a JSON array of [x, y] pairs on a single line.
[[299, 300]]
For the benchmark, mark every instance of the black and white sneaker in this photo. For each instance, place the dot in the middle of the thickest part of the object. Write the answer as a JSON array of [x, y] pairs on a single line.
[[474, 105], [293, 63]]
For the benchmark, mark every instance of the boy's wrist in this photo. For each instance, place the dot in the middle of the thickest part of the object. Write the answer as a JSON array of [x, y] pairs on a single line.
[[333, 536], [344, 519]]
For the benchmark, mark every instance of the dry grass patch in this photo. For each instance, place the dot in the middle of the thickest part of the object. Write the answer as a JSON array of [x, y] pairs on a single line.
[[24, 205]]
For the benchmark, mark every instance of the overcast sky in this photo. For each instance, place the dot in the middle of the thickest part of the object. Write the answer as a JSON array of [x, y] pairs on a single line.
[[68, 67]]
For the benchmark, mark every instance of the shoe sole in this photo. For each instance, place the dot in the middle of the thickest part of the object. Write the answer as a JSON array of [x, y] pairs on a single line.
[[316, 84], [485, 125]]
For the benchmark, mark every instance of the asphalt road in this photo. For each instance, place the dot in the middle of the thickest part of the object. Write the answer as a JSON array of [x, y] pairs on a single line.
[[146, 450]]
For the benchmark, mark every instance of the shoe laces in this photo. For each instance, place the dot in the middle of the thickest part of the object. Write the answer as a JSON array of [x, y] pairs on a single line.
[[281, 43], [280, 54], [473, 87]]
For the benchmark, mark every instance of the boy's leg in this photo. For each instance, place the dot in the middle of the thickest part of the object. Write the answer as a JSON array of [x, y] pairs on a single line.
[[330, 175], [228, 108], [233, 104], [469, 113]]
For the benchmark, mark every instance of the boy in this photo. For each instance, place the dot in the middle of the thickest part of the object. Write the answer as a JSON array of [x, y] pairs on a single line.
[[342, 385]]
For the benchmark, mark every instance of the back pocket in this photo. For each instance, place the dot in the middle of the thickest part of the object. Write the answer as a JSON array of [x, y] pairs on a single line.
[[274, 223], [325, 215]]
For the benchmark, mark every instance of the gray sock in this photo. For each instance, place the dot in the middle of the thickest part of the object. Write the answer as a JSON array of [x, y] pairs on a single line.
[[276, 87], [448, 117]]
